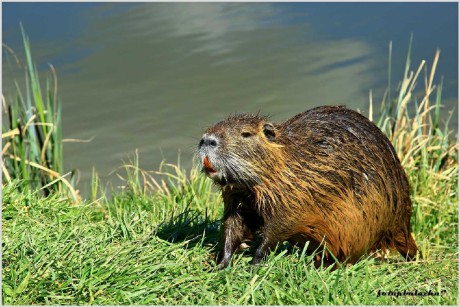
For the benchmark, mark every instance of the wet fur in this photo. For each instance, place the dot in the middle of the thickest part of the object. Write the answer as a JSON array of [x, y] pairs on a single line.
[[327, 175]]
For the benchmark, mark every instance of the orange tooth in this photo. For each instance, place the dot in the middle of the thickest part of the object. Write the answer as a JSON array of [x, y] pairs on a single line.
[[208, 165], [206, 162]]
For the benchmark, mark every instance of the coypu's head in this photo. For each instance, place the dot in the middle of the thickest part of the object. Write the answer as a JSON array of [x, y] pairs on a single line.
[[239, 150]]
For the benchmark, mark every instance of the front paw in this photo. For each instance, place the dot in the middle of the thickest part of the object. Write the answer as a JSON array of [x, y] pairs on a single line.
[[223, 264], [256, 261]]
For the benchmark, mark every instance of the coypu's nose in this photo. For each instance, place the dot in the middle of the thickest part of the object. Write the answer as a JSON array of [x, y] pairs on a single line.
[[208, 140]]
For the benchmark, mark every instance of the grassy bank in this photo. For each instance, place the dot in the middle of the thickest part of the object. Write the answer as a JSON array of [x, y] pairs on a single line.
[[155, 241], [160, 249]]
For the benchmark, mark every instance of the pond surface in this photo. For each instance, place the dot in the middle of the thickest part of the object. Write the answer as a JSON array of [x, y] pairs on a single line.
[[153, 76]]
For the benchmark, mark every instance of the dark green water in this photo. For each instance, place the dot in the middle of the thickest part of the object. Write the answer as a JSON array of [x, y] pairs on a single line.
[[152, 76]]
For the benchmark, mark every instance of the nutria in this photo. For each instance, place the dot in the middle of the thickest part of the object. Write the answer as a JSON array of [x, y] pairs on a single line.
[[328, 176]]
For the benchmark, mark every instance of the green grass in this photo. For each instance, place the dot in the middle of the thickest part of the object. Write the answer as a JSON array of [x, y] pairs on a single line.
[[154, 242], [160, 248]]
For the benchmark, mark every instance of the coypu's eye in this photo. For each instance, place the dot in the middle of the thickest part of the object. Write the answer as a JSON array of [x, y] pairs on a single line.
[[269, 132], [246, 134]]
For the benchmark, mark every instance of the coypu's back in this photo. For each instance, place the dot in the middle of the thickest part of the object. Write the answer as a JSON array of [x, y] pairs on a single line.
[[347, 138]]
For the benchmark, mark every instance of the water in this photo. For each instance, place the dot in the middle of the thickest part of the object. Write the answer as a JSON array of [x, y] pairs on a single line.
[[153, 76]]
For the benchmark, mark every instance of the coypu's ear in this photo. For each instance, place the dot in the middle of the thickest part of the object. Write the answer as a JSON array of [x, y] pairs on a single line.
[[269, 132]]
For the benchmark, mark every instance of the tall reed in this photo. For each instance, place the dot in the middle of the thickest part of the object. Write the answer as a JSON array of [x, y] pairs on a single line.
[[32, 134], [426, 146], [418, 134]]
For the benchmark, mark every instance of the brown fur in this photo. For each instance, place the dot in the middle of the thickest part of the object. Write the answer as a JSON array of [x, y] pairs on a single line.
[[328, 176]]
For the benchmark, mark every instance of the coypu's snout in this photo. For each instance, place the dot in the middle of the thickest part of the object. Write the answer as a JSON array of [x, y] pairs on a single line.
[[208, 156], [208, 140]]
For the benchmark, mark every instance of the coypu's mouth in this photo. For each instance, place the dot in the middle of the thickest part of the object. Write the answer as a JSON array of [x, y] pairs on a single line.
[[217, 174], [208, 167]]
